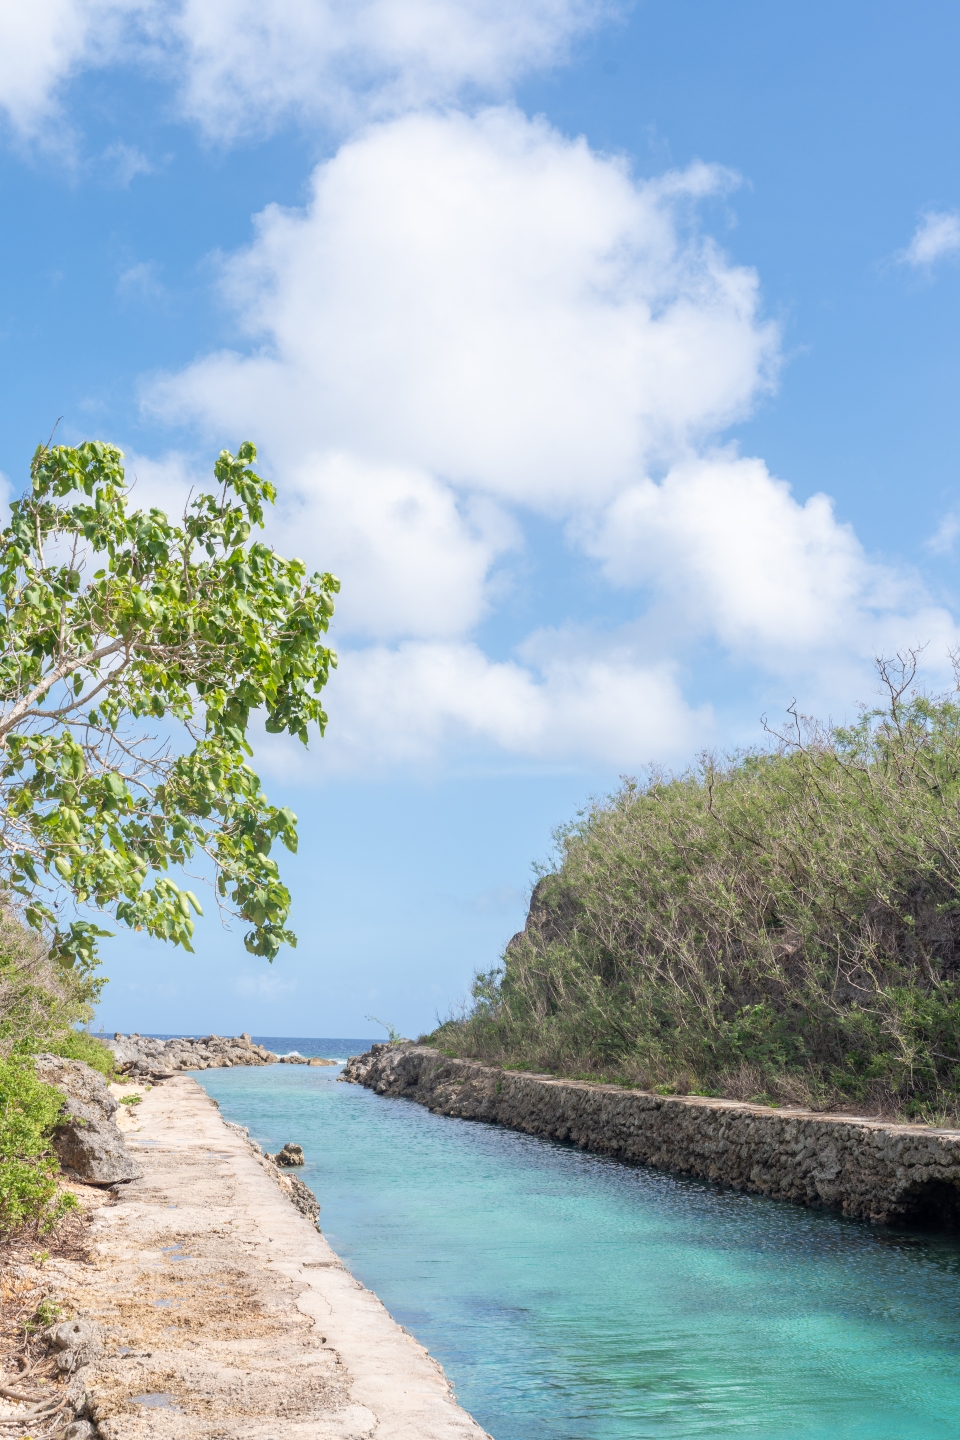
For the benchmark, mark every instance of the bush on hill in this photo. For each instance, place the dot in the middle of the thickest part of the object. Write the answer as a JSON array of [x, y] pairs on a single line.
[[782, 925]]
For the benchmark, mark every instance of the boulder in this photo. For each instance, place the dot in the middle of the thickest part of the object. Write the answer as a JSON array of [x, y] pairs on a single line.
[[143, 1057], [291, 1154], [76, 1342], [87, 1140]]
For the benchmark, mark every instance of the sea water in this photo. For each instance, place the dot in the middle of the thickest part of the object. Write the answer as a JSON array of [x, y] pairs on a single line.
[[572, 1297]]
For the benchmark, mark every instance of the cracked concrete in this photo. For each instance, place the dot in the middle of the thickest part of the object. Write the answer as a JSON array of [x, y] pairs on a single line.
[[226, 1315]]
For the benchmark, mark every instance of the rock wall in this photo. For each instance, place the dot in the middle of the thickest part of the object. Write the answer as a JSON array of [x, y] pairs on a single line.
[[866, 1168]]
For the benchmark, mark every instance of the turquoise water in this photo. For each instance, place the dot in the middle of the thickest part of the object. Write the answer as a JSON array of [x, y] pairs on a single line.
[[570, 1297]]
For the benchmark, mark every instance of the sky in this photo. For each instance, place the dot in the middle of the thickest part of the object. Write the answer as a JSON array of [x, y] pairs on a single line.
[[606, 352]]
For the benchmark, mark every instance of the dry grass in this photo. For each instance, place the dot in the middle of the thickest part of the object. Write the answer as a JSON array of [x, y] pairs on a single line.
[[27, 1367]]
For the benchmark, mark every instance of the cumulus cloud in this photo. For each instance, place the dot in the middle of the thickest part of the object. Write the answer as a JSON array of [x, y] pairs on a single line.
[[489, 301], [415, 557], [732, 556], [473, 319], [937, 235], [243, 66], [410, 704], [249, 65]]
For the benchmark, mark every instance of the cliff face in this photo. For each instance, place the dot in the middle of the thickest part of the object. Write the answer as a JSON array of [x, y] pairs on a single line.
[[875, 1171]]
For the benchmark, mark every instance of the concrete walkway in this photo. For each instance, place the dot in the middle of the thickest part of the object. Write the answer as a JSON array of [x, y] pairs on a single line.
[[226, 1314]]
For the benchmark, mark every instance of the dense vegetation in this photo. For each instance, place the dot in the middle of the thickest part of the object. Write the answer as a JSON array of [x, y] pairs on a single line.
[[784, 925], [42, 1002]]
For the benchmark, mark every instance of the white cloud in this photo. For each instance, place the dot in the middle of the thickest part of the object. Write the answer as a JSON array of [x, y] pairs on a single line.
[[492, 303], [166, 483], [473, 315], [416, 558], [938, 234], [474, 318], [410, 704], [942, 541], [46, 42], [250, 64], [243, 66], [732, 556]]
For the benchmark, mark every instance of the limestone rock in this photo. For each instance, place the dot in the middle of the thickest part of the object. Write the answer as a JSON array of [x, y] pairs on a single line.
[[304, 1199], [291, 1154], [143, 1057], [87, 1141], [77, 1343]]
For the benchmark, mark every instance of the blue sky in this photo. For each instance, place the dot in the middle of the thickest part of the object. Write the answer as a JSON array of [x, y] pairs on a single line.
[[608, 353]]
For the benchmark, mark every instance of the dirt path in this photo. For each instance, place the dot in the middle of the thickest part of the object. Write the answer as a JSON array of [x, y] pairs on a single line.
[[224, 1313]]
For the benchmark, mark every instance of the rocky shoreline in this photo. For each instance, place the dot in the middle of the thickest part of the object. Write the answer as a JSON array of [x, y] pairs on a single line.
[[144, 1056], [868, 1169]]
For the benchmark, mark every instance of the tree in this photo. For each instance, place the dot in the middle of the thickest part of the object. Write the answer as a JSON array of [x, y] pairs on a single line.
[[111, 618]]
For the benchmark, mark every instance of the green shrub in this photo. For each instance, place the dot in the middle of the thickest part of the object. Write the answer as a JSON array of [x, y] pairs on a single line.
[[29, 1112], [784, 923], [75, 1044]]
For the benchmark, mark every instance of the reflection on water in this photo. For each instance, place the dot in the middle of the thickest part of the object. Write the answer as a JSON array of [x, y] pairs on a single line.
[[570, 1297]]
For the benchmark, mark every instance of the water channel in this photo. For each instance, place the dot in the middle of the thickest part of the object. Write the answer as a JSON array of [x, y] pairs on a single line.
[[570, 1297]]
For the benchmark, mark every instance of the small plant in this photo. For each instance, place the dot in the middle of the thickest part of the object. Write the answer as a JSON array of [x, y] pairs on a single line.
[[44, 1316], [130, 1099], [393, 1036]]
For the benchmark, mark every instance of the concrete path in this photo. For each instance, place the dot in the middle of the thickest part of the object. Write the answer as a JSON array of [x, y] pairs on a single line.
[[227, 1316]]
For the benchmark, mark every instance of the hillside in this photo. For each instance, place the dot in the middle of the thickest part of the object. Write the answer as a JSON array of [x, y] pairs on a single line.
[[782, 925]]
